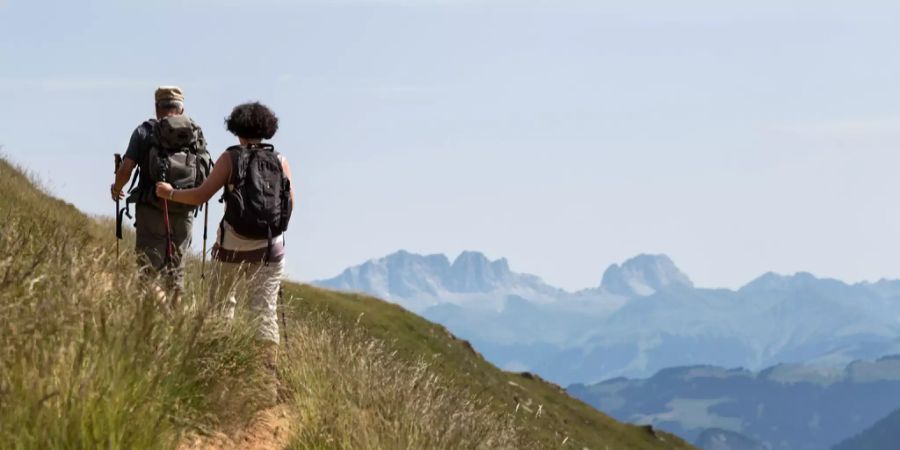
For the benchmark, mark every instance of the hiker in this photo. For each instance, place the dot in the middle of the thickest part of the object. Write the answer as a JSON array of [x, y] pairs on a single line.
[[169, 148], [258, 203]]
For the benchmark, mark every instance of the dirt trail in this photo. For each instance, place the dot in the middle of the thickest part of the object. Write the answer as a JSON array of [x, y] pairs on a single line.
[[270, 429]]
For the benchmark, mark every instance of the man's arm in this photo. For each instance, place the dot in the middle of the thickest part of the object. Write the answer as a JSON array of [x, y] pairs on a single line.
[[122, 176], [132, 154]]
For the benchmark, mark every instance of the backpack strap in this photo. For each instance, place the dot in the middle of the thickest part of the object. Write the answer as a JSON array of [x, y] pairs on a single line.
[[197, 170], [200, 142], [254, 150], [241, 158], [119, 220], [140, 179], [235, 152]]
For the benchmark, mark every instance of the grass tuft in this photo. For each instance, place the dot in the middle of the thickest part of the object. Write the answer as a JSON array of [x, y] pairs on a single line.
[[353, 392]]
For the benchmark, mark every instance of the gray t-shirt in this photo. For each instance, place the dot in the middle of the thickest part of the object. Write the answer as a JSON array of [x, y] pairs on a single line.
[[139, 142]]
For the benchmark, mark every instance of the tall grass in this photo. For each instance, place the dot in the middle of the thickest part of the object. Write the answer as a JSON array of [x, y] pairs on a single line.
[[352, 393], [89, 358]]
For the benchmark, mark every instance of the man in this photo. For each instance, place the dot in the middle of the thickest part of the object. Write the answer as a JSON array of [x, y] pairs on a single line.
[[151, 153]]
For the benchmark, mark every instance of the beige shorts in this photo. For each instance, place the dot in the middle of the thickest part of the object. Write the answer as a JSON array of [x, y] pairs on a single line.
[[259, 282]]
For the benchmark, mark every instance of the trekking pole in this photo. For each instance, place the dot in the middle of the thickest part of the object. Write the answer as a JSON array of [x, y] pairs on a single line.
[[118, 216], [165, 203], [203, 258], [169, 250]]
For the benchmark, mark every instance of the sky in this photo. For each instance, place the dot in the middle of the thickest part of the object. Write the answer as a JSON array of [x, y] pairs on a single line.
[[736, 137]]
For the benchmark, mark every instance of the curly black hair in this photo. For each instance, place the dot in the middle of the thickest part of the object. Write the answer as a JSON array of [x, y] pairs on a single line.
[[252, 121]]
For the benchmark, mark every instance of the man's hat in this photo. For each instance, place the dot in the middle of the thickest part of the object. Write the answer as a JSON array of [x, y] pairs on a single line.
[[164, 93]]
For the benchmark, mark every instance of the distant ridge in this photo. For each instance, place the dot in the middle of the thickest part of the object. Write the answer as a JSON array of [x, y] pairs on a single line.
[[784, 407], [403, 276], [423, 280], [644, 315]]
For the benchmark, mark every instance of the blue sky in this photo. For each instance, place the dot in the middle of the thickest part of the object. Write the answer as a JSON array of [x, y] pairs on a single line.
[[737, 137]]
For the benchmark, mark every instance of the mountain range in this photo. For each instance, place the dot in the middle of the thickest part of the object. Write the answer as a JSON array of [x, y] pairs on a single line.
[[784, 407], [419, 281], [645, 315]]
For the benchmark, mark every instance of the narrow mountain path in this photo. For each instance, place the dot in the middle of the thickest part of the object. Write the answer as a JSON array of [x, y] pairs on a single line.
[[270, 429]]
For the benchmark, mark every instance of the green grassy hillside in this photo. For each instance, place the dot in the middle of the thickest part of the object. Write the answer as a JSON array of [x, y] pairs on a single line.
[[89, 359], [546, 413]]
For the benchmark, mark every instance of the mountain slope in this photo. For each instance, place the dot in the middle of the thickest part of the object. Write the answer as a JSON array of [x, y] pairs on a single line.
[[883, 435], [550, 415], [718, 439], [786, 407], [91, 360]]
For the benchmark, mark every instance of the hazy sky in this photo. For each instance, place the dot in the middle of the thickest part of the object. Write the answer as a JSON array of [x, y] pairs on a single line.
[[736, 137]]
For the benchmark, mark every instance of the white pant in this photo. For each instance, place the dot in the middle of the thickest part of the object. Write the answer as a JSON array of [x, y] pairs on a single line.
[[261, 282]]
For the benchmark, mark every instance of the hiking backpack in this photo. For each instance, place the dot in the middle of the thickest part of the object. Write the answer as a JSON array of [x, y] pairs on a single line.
[[258, 195], [176, 154]]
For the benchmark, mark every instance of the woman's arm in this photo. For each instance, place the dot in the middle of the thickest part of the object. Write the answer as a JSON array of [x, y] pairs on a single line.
[[287, 172], [201, 194]]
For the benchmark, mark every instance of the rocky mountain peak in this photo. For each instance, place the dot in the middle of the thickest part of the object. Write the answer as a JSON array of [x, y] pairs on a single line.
[[771, 281], [474, 272], [643, 275]]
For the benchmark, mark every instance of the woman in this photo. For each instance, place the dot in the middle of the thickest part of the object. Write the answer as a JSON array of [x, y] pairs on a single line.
[[259, 258]]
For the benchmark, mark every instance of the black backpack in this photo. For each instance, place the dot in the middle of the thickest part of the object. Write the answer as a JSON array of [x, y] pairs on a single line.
[[257, 197]]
